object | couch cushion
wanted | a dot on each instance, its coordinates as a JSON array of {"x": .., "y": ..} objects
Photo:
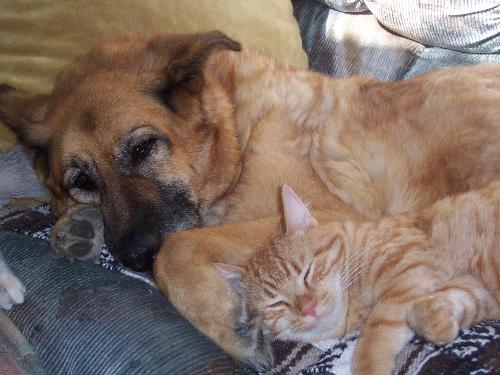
[
  {"x": 83, "y": 319},
  {"x": 37, "y": 38}
]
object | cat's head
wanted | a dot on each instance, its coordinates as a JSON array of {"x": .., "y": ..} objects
[{"x": 294, "y": 285}]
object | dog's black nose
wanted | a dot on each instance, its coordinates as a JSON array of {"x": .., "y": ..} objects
[
  {"x": 138, "y": 261},
  {"x": 136, "y": 251}
]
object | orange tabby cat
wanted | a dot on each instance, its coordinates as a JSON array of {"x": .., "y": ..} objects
[{"x": 432, "y": 272}]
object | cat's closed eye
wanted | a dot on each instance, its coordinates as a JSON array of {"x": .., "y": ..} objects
[
  {"x": 306, "y": 276},
  {"x": 278, "y": 304}
]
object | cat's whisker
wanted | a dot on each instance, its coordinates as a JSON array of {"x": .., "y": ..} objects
[
  {"x": 355, "y": 258},
  {"x": 353, "y": 279},
  {"x": 352, "y": 275},
  {"x": 355, "y": 275},
  {"x": 349, "y": 268},
  {"x": 346, "y": 274},
  {"x": 353, "y": 265},
  {"x": 347, "y": 271}
]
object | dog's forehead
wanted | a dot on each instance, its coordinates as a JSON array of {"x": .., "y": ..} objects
[{"x": 98, "y": 113}]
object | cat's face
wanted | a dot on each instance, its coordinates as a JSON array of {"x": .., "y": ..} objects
[
  {"x": 294, "y": 287},
  {"x": 298, "y": 292}
]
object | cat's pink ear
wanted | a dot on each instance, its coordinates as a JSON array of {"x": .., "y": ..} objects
[
  {"x": 233, "y": 276},
  {"x": 297, "y": 216}
]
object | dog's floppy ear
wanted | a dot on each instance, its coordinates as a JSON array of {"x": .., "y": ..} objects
[
  {"x": 25, "y": 114},
  {"x": 179, "y": 59}
]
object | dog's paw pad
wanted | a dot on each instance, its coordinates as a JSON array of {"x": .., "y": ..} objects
[
  {"x": 12, "y": 290},
  {"x": 80, "y": 249},
  {"x": 79, "y": 234},
  {"x": 82, "y": 229}
]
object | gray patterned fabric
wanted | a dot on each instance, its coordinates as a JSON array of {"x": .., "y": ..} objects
[
  {"x": 354, "y": 6},
  {"x": 471, "y": 26},
  {"x": 345, "y": 44}
]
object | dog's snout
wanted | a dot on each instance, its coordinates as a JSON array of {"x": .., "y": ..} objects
[
  {"x": 139, "y": 261},
  {"x": 137, "y": 251}
]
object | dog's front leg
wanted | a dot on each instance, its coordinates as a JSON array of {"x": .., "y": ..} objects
[{"x": 184, "y": 270}]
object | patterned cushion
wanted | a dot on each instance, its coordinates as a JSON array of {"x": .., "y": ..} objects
[{"x": 83, "y": 319}]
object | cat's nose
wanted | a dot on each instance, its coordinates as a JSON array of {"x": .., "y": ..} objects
[{"x": 310, "y": 310}]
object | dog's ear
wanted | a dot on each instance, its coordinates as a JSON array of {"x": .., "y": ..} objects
[
  {"x": 179, "y": 59},
  {"x": 25, "y": 114}
]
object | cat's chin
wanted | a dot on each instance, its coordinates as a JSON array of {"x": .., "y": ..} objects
[{"x": 326, "y": 326}]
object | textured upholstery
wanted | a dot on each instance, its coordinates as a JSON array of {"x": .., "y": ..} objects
[{"x": 83, "y": 319}]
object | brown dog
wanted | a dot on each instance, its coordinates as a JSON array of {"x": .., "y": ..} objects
[{"x": 179, "y": 131}]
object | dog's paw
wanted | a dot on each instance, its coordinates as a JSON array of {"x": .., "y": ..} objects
[
  {"x": 12, "y": 290},
  {"x": 432, "y": 318},
  {"x": 79, "y": 234}
]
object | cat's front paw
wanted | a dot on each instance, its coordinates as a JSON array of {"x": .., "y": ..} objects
[
  {"x": 432, "y": 318},
  {"x": 12, "y": 290}
]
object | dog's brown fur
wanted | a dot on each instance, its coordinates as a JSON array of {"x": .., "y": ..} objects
[{"x": 233, "y": 128}]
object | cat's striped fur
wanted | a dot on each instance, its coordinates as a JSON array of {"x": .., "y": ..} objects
[{"x": 432, "y": 272}]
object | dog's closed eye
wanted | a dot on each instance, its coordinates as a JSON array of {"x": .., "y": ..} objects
[
  {"x": 83, "y": 182},
  {"x": 139, "y": 146}
]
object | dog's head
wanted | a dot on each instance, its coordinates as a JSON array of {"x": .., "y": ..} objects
[{"x": 139, "y": 128}]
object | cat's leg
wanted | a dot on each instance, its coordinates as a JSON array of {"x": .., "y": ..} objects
[
  {"x": 185, "y": 271},
  {"x": 383, "y": 336},
  {"x": 457, "y": 304}
]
